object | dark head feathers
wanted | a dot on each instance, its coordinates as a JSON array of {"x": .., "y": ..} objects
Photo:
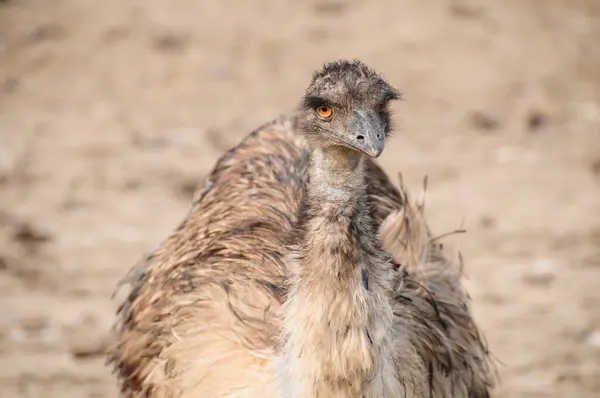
[
  {"x": 351, "y": 85},
  {"x": 353, "y": 74}
]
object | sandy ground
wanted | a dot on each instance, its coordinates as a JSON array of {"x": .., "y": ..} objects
[{"x": 112, "y": 111}]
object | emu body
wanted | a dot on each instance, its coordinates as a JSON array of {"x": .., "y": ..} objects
[{"x": 227, "y": 305}]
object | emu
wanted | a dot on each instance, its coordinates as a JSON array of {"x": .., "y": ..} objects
[{"x": 301, "y": 271}]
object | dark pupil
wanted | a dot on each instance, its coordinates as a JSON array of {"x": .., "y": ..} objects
[{"x": 324, "y": 109}]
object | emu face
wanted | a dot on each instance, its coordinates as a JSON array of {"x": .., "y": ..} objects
[{"x": 346, "y": 105}]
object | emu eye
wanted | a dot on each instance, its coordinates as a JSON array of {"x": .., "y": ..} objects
[{"x": 324, "y": 111}]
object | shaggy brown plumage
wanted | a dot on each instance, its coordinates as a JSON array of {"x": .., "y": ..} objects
[{"x": 204, "y": 315}]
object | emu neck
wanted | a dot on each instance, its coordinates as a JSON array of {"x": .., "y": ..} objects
[
  {"x": 334, "y": 212},
  {"x": 336, "y": 176},
  {"x": 332, "y": 324}
]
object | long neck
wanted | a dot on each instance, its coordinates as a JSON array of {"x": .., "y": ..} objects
[
  {"x": 331, "y": 316},
  {"x": 336, "y": 176},
  {"x": 332, "y": 215}
]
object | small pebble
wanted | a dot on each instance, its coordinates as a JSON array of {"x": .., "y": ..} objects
[
  {"x": 536, "y": 120},
  {"x": 484, "y": 121},
  {"x": 593, "y": 338}
]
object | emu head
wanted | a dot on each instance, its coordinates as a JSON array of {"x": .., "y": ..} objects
[{"x": 347, "y": 104}]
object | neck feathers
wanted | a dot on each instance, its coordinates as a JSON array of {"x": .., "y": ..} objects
[
  {"x": 336, "y": 175},
  {"x": 333, "y": 326},
  {"x": 334, "y": 217}
]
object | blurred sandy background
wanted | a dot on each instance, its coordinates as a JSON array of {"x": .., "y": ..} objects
[{"x": 112, "y": 111}]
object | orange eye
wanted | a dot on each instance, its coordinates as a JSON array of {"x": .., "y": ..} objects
[{"x": 324, "y": 111}]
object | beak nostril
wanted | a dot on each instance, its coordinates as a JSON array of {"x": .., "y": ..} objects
[{"x": 360, "y": 137}]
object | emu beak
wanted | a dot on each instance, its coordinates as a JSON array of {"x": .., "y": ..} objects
[{"x": 366, "y": 133}]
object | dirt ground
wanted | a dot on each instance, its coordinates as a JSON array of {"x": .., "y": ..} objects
[{"x": 112, "y": 111}]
